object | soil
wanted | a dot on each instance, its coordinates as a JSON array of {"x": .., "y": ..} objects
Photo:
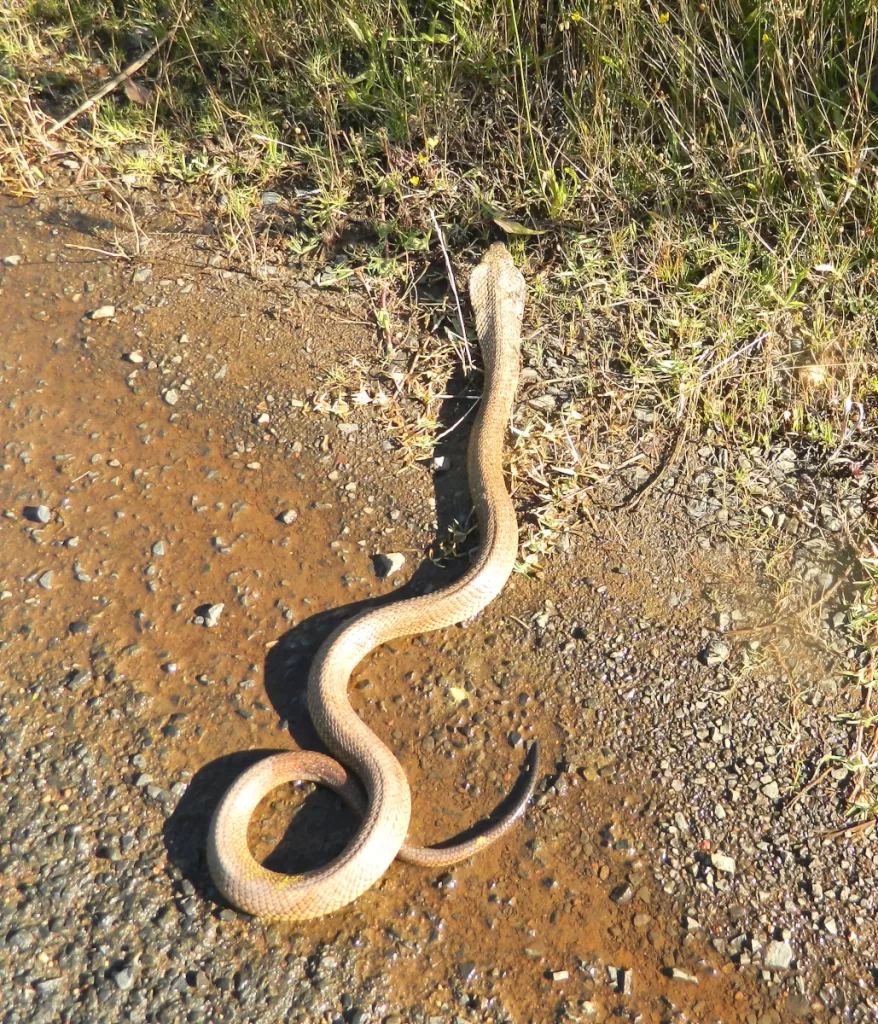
[{"x": 659, "y": 875}]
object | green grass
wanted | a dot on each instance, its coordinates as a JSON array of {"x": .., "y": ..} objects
[{"x": 702, "y": 175}]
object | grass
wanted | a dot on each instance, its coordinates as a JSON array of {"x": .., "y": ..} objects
[{"x": 691, "y": 189}]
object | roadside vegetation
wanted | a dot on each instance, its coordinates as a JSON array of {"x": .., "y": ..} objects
[{"x": 692, "y": 189}]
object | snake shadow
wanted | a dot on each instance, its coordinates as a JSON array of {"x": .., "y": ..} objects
[{"x": 323, "y": 825}]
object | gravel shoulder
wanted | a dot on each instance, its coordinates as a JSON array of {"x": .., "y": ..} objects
[{"x": 184, "y": 519}]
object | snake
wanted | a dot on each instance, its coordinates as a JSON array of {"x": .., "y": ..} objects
[{"x": 363, "y": 770}]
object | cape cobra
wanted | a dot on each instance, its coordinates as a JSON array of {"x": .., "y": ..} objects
[{"x": 497, "y": 292}]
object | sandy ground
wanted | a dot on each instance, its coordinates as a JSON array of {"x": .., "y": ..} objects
[{"x": 158, "y": 423}]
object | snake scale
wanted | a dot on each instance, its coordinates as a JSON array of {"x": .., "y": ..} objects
[{"x": 497, "y": 293}]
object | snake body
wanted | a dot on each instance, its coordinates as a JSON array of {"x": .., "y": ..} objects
[{"x": 497, "y": 292}]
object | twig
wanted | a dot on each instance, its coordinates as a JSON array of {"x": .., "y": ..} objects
[
  {"x": 103, "y": 252},
  {"x": 454, "y": 426},
  {"x": 849, "y": 830},
  {"x": 831, "y": 589},
  {"x": 521, "y": 622},
  {"x": 466, "y": 358},
  {"x": 806, "y": 789},
  {"x": 740, "y": 634},
  {"x": 638, "y": 496},
  {"x": 735, "y": 355},
  {"x": 113, "y": 83}
]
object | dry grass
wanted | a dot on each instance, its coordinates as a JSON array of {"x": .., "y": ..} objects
[{"x": 702, "y": 181}]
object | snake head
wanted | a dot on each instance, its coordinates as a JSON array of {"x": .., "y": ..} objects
[{"x": 497, "y": 292}]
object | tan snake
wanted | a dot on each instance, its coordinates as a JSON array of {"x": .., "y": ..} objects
[{"x": 497, "y": 292}]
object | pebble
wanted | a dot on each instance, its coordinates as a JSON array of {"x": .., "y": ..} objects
[
  {"x": 45, "y": 580},
  {"x": 11, "y": 261},
  {"x": 48, "y": 986},
  {"x": 466, "y": 971},
  {"x": 135, "y": 357},
  {"x": 560, "y": 975},
  {"x": 38, "y": 514},
  {"x": 778, "y": 955},
  {"x": 171, "y": 396},
  {"x": 680, "y": 975},
  {"x": 78, "y": 679},
  {"x": 722, "y": 862},
  {"x": 141, "y": 275},
  {"x": 158, "y": 549},
  {"x": 715, "y": 653},
  {"x": 102, "y": 313},
  {"x": 124, "y": 978},
  {"x": 388, "y": 564},
  {"x": 288, "y": 516},
  {"x": 212, "y": 615}
]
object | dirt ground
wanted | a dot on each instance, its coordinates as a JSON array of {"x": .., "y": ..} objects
[{"x": 159, "y": 416}]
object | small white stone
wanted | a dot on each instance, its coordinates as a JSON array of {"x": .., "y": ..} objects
[
  {"x": 11, "y": 261},
  {"x": 211, "y": 619},
  {"x": 679, "y": 975},
  {"x": 102, "y": 313},
  {"x": 135, "y": 357},
  {"x": 778, "y": 956},
  {"x": 723, "y": 862},
  {"x": 171, "y": 396},
  {"x": 387, "y": 565}
]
